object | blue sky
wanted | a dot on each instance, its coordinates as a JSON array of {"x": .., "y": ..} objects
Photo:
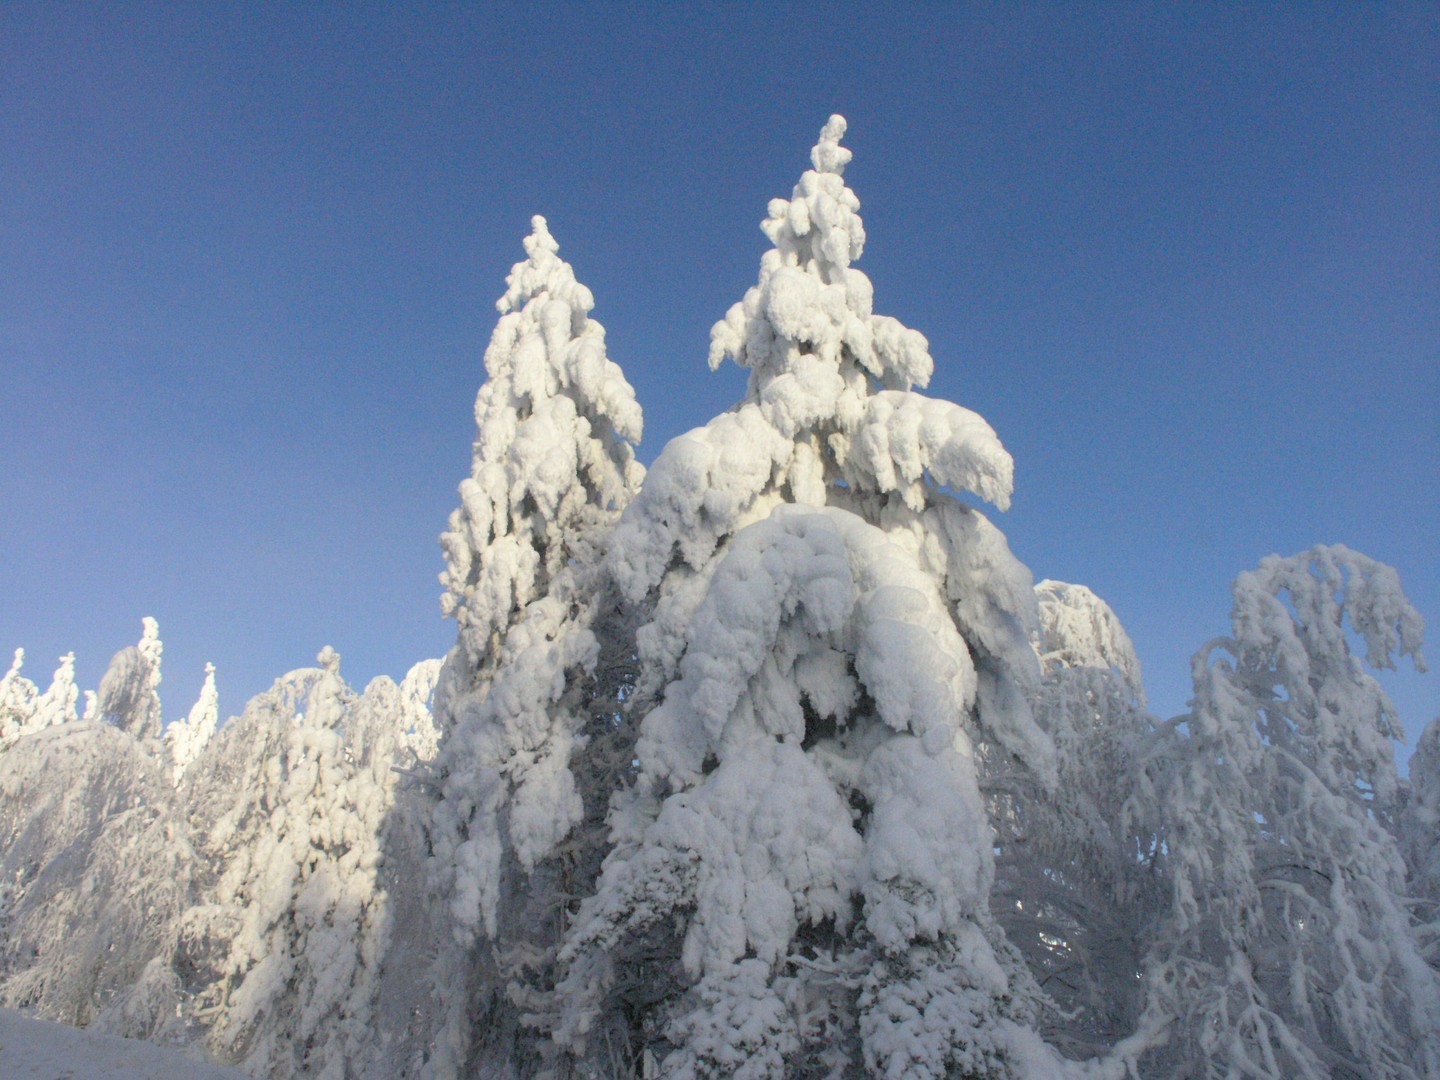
[{"x": 1184, "y": 258}]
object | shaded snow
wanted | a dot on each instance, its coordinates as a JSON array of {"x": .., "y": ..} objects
[{"x": 41, "y": 1050}]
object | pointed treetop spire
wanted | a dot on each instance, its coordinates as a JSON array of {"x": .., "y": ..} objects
[
  {"x": 57, "y": 704},
  {"x": 543, "y": 271},
  {"x": 820, "y": 223},
  {"x": 540, "y": 242},
  {"x": 828, "y": 155}
]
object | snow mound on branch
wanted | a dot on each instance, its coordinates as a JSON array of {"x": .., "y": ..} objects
[{"x": 903, "y": 436}]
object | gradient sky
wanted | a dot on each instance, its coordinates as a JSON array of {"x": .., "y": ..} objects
[{"x": 1185, "y": 260}]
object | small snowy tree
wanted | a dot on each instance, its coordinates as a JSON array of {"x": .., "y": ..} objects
[
  {"x": 801, "y": 873},
  {"x": 17, "y": 702},
  {"x": 57, "y": 704},
  {"x": 129, "y": 693},
  {"x": 1288, "y": 951},
  {"x": 187, "y": 739}
]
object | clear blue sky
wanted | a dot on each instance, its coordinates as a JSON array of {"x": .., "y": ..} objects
[{"x": 1184, "y": 258}]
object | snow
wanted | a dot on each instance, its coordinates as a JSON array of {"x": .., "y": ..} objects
[{"x": 33, "y": 1049}]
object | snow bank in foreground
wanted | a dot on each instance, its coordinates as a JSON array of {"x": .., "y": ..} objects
[{"x": 40, "y": 1050}]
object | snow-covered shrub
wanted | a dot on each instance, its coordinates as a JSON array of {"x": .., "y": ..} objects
[{"x": 17, "y": 701}]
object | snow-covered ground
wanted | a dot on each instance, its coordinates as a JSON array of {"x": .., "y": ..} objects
[{"x": 39, "y": 1050}]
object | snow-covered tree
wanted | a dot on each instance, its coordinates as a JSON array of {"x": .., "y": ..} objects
[
  {"x": 801, "y": 872},
  {"x": 188, "y": 738},
  {"x": 553, "y": 466},
  {"x": 57, "y": 704},
  {"x": 293, "y": 927},
  {"x": 96, "y": 870},
  {"x": 1289, "y": 951},
  {"x": 391, "y": 736},
  {"x": 129, "y": 693},
  {"x": 17, "y": 701},
  {"x": 553, "y": 461}
]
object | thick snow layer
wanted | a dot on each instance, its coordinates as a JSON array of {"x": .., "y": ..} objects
[{"x": 41, "y": 1050}]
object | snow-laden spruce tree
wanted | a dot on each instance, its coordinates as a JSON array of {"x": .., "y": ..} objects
[
  {"x": 1079, "y": 873},
  {"x": 1289, "y": 951},
  {"x": 553, "y": 461},
  {"x": 542, "y": 650},
  {"x": 130, "y": 690},
  {"x": 801, "y": 872}
]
